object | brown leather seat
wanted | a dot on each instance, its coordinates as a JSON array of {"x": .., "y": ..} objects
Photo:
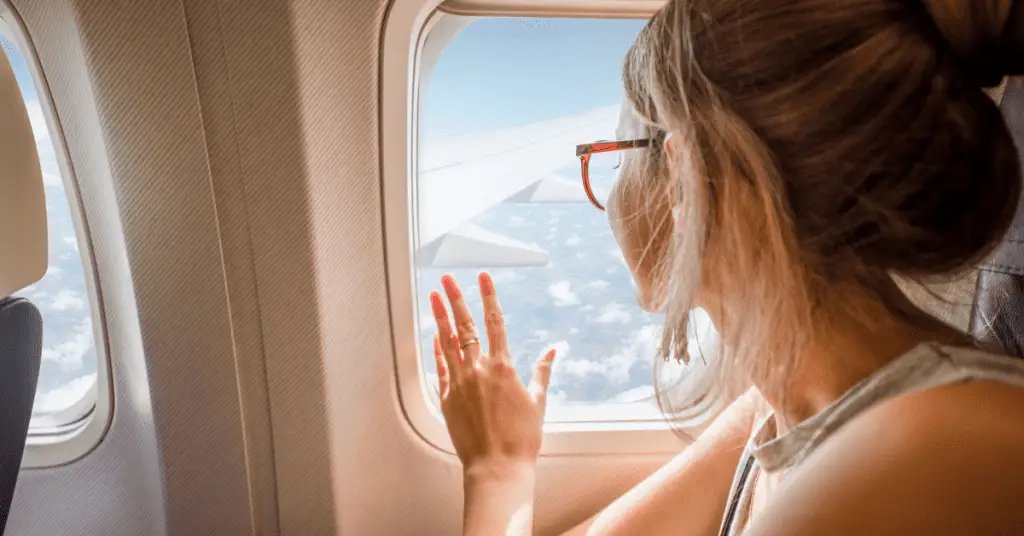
[{"x": 997, "y": 316}]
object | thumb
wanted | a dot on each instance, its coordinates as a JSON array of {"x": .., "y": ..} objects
[{"x": 542, "y": 378}]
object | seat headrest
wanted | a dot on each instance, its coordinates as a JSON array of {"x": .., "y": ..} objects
[{"x": 23, "y": 240}]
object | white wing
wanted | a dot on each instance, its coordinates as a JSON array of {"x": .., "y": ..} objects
[{"x": 461, "y": 178}]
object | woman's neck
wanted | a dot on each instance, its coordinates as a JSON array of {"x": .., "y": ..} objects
[{"x": 850, "y": 341}]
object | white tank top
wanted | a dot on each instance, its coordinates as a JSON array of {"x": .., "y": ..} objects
[{"x": 926, "y": 366}]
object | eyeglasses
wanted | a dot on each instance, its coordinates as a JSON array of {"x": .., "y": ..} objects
[{"x": 588, "y": 150}]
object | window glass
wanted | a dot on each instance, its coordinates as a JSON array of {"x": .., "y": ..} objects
[
  {"x": 67, "y": 378},
  {"x": 499, "y": 188}
]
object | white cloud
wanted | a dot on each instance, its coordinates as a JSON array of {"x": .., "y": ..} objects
[
  {"x": 563, "y": 294},
  {"x": 67, "y": 300},
  {"x": 542, "y": 334},
  {"x": 554, "y": 221},
  {"x": 64, "y": 396},
  {"x": 573, "y": 240},
  {"x": 38, "y": 120},
  {"x": 599, "y": 284},
  {"x": 635, "y": 394},
  {"x": 581, "y": 367},
  {"x": 613, "y": 313},
  {"x": 639, "y": 347},
  {"x": 69, "y": 354},
  {"x": 505, "y": 276},
  {"x": 561, "y": 349},
  {"x": 71, "y": 241},
  {"x": 516, "y": 221},
  {"x": 53, "y": 271},
  {"x": 52, "y": 179}
]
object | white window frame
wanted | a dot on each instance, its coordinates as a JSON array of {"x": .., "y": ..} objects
[
  {"x": 406, "y": 25},
  {"x": 86, "y": 421}
]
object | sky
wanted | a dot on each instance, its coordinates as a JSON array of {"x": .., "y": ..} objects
[
  {"x": 503, "y": 72},
  {"x": 69, "y": 351},
  {"x": 499, "y": 73}
]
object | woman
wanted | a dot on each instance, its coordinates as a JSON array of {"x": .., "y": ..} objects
[{"x": 815, "y": 150}]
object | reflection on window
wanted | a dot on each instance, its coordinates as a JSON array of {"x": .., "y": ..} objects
[
  {"x": 498, "y": 188},
  {"x": 67, "y": 378}
]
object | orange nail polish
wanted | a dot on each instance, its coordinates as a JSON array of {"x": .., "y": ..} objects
[
  {"x": 486, "y": 284},
  {"x": 449, "y": 286}
]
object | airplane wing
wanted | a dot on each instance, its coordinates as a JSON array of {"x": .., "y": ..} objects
[{"x": 463, "y": 177}]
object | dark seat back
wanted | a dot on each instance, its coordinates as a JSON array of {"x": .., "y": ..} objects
[
  {"x": 21, "y": 347},
  {"x": 997, "y": 317}
]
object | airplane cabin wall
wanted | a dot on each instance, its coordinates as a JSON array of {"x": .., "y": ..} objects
[{"x": 228, "y": 158}]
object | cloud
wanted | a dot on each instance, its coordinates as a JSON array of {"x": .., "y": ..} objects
[
  {"x": 69, "y": 354},
  {"x": 636, "y": 394},
  {"x": 598, "y": 284},
  {"x": 613, "y": 313},
  {"x": 71, "y": 241},
  {"x": 68, "y": 300},
  {"x": 561, "y": 348},
  {"x": 617, "y": 253},
  {"x": 505, "y": 276},
  {"x": 639, "y": 348},
  {"x": 53, "y": 180},
  {"x": 516, "y": 221},
  {"x": 563, "y": 294},
  {"x": 556, "y": 396},
  {"x": 65, "y": 396},
  {"x": 573, "y": 240},
  {"x": 38, "y": 120}
]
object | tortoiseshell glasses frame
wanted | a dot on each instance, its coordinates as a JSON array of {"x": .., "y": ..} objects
[{"x": 586, "y": 150}]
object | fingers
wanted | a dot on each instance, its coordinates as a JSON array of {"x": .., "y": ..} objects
[
  {"x": 494, "y": 321},
  {"x": 465, "y": 329},
  {"x": 449, "y": 344},
  {"x": 442, "y": 369},
  {"x": 542, "y": 378}
]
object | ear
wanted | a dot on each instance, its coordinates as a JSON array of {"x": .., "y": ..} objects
[{"x": 669, "y": 149}]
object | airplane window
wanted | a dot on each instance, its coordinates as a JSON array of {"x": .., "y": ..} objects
[
  {"x": 67, "y": 378},
  {"x": 499, "y": 188}
]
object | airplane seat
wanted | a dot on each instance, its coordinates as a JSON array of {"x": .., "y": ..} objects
[
  {"x": 997, "y": 314},
  {"x": 23, "y": 261}
]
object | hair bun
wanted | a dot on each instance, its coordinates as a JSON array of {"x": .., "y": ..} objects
[{"x": 987, "y": 35}]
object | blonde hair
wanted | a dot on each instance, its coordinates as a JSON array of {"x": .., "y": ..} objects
[{"x": 823, "y": 145}]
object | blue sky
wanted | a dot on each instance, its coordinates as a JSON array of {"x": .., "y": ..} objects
[
  {"x": 21, "y": 72},
  {"x": 502, "y": 72}
]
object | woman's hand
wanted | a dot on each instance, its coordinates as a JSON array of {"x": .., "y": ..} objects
[{"x": 493, "y": 419}]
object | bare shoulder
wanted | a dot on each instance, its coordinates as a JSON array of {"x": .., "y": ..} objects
[{"x": 939, "y": 462}]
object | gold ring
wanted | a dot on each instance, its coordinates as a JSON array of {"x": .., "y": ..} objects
[{"x": 474, "y": 340}]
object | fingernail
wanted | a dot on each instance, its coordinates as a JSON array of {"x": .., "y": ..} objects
[
  {"x": 486, "y": 284},
  {"x": 436, "y": 302},
  {"x": 448, "y": 282}
]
